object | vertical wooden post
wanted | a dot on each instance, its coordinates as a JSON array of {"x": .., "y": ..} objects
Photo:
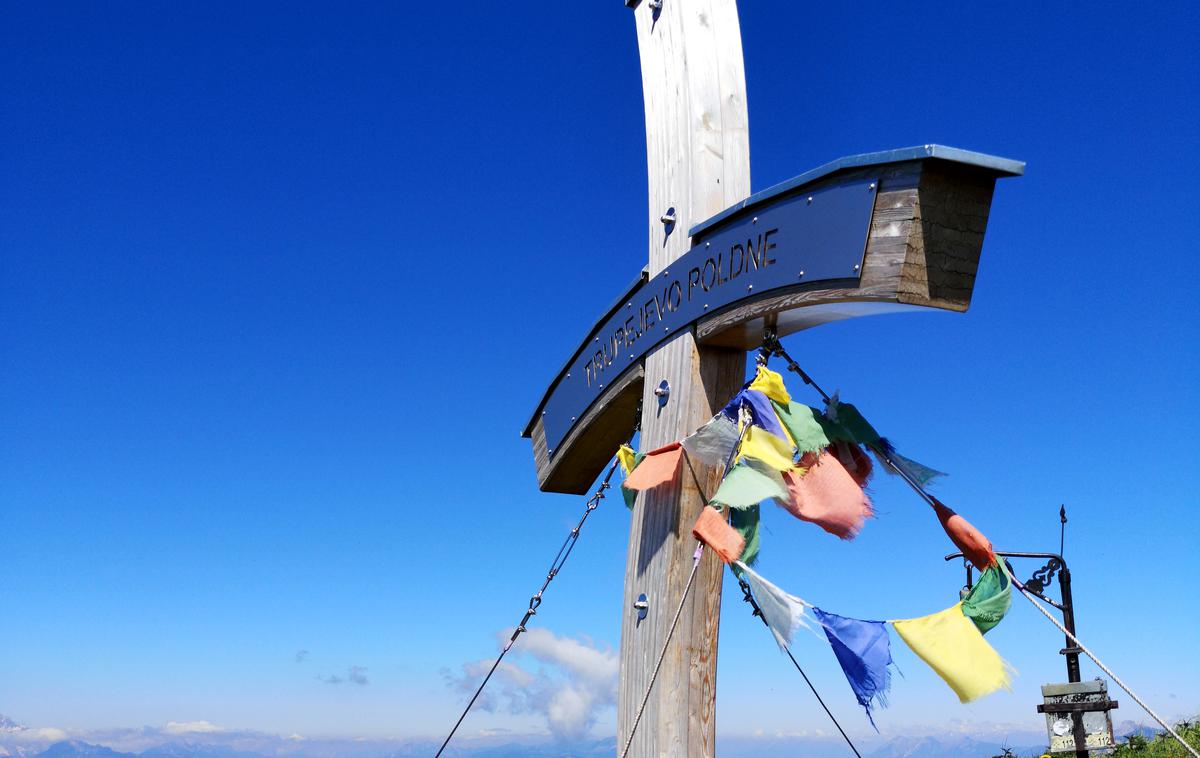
[{"x": 698, "y": 158}]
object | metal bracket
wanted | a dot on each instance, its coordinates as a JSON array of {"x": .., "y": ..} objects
[
  {"x": 641, "y": 606},
  {"x": 662, "y": 392}
]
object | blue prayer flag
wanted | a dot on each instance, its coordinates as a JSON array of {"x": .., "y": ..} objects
[{"x": 863, "y": 648}]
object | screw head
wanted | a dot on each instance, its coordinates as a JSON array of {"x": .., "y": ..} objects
[
  {"x": 856, "y": 267},
  {"x": 754, "y": 220},
  {"x": 871, "y": 186},
  {"x": 810, "y": 199},
  {"x": 749, "y": 286},
  {"x": 801, "y": 273}
]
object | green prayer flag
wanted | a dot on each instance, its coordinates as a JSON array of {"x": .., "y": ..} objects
[
  {"x": 746, "y": 485},
  {"x": 745, "y": 521},
  {"x": 807, "y": 427},
  {"x": 990, "y": 598},
  {"x": 854, "y": 427},
  {"x": 631, "y": 495}
]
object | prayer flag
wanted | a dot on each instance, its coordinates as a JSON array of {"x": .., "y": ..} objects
[
  {"x": 806, "y": 427},
  {"x": 954, "y": 648},
  {"x": 827, "y": 496},
  {"x": 765, "y": 447},
  {"x": 857, "y": 463},
  {"x": 990, "y": 598},
  {"x": 968, "y": 539},
  {"x": 783, "y": 613},
  {"x": 918, "y": 472},
  {"x": 762, "y": 413},
  {"x": 852, "y": 425},
  {"x": 770, "y": 384},
  {"x": 627, "y": 458},
  {"x": 659, "y": 466},
  {"x": 864, "y": 650},
  {"x": 746, "y": 522},
  {"x": 712, "y": 443},
  {"x": 712, "y": 530},
  {"x": 746, "y": 485}
]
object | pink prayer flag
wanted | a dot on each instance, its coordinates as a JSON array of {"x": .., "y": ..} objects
[
  {"x": 857, "y": 462},
  {"x": 724, "y": 540},
  {"x": 658, "y": 467},
  {"x": 828, "y": 496},
  {"x": 968, "y": 539}
]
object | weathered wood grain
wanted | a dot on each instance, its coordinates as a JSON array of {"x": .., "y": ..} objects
[{"x": 693, "y": 84}]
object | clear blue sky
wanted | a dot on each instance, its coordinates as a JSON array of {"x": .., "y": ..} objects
[{"x": 280, "y": 284}]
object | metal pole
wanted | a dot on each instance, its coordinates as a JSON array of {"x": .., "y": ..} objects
[{"x": 1071, "y": 651}]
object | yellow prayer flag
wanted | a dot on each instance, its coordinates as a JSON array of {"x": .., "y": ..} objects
[
  {"x": 626, "y": 456},
  {"x": 766, "y": 447},
  {"x": 953, "y": 647},
  {"x": 770, "y": 384}
]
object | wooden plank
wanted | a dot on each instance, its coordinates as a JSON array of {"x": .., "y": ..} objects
[
  {"x": 590, "y": 445},
  {"x": 697, "y": 147}
]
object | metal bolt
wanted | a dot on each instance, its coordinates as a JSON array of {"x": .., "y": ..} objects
[
  {"x": 754, "y": 220},
  {"x": 810, "y": 199},
  {"x": 666, "y": 272},
  {"x": 856, "y": 267},
  {"x": 801, "y": 273},
  {"x": 871, "y": 186},
  {"x": 749, "y": 286},
  {"x": 708, "y": 244},
  {"x": 668, "y": 218},
  {"x": 706, "y": 306},
  {"x": 572, "y": 418}
]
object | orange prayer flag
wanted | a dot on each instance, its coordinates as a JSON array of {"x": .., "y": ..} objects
[
  {"x": 828, "y": 496},
  {"x": 968, "y": 539},
  {"x": 658, "y": 467},
  {"x": 724, "y": 540}
]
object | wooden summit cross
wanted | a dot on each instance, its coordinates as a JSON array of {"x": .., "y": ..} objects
[{"x": 877, "y": 233}]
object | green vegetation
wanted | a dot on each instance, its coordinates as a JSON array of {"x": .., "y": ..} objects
[{"x": 1163, "y": 745}]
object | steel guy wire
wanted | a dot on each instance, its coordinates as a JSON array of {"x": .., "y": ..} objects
[{"x": 564, "y": 552}]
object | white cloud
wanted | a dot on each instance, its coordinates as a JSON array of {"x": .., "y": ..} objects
[{"x": 574, "y": 682}]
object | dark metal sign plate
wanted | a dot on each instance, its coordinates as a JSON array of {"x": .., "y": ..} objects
[{"x": 812, "y": 235}]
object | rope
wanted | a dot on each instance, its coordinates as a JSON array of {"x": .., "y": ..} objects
[
  {"x": 749, "y": 598},
  {"x": 666, "y": 643},
  {"x": 564, "y": 552},
  {"x": 771, "y": 346},
  {"x": 1104, "y": 668}
]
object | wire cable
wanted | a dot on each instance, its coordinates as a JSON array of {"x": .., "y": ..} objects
[
  {"x": 1104, "y": 668},
  {"x": 666, "y": 644},
  {"x": 771, "y": 344},
  {"x": 564, "y": 552},
  {"x": 749, "y": 598}
]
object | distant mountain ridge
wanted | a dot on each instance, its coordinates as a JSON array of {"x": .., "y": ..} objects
[{"x": 537, "y": 747}]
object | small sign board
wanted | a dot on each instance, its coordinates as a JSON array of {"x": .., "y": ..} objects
[{"x": 1078, "y": 716}]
